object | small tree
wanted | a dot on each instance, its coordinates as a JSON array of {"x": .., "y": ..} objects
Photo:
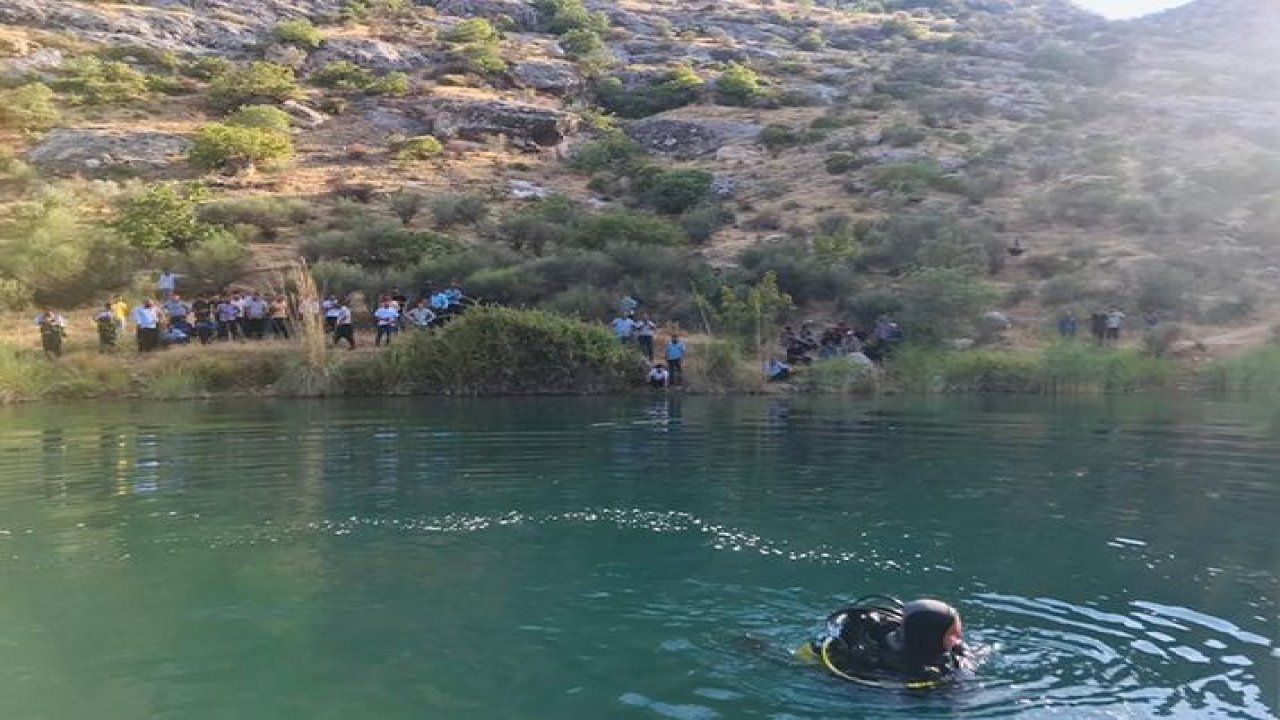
[
  {"x": 260, "y": 82},
  {"x": 748, "y": 315},
  {"x": 162, "y": 217},
  {"x": 236, "y": 148}
]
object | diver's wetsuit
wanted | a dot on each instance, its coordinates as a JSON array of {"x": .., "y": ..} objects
[{"x": 863, "y": 642}]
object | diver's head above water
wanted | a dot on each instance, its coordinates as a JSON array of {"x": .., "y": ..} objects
[{"x": 930, "y": 628}]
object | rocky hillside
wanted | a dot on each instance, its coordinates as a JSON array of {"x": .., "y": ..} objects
[{"x": 875, "y": 155}]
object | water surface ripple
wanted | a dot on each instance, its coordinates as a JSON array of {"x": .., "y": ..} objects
[{"x": 631, "y": 558}]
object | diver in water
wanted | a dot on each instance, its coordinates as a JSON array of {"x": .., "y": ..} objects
[{"x": 878, "y": 640}]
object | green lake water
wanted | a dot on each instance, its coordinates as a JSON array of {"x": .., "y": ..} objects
[{"x": 631, "y": 558}]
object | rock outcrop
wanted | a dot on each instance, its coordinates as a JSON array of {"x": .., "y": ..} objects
[
  {"x": 78, "y": 150},
  {"x": 528, "y": 126}
]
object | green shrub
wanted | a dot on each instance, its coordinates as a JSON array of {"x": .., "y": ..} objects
[
  {"x": 673, "y": 89},
  {"x": 343, "y": 75},
  {"x": 673, "y": 191},
  {"x": 738, "y": 85},
  {"x": 236, "y": 148},
  {"x": 475, "y": 30},
  {"x": 940, "y": 303},
  {"x": 701, "y": 222},
  {"x": 840, "y": 163},
  {"x": 262, "y": 117},
  {"x": 1160, "y": 286},
  {"x": 162, "y": 217},
  {"x": 395, "y": 84},
  {"x": 580, "y": 43},
  {"x": 451, "y": 210},
  {"x": 624, "y": 226},
  {"x": 208, "y": 67},
  {"x": 101, "y": 83},
  {"x": 373, "y": 241},
  {"x": 812, "y": 41},
  {"x": 483, "y": 58},
  {"x": 216, "y": 261},
  {"x": 1256, "y": 373},
  {"x": 612, "y": 150},
  {"x": 802, "y": 273},
  {"x": 839, "y": 376},
  {"x": 257, "y": 83},
  {"x": 776, "y": 137},
  {"x": 562, "y": 16},
  {"x": 299, "y": 32},
  {"x": 269, "y": 214},
  {"x": 28, "y": 107},
  {"x": 909, "y": 178},
  {"x": 419, "y": 148},
  {"x": 903, "y": 135},
  {"x": 494, "y": 350}
]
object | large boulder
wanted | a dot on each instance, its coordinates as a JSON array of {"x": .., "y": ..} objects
[
  {"x": 526, "y": 125},
  {"x": 550, "y": 76},
  {"x": 689, "y": 138},
  {"x": 76, "y": 150},
  {"x": 124, "y": 25},
  {"x": 522, "y": 14},
  {"x": 370, "y": 54}
]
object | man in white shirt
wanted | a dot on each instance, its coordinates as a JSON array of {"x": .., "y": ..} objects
[
  {"x": 343, "y": 328},
  {"x": 167, "y": 284},
  {"x": 146, "y": 318},
  {"x": 388, "y": 319}
]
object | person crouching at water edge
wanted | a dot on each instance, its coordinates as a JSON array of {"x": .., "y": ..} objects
[
  {"x": 658, "y": 376},
  {"x": 880, "y": 641}
]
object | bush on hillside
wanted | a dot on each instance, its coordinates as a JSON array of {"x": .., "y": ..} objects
[
  {"x": 100, "y": 83},
  {"x": 28, "y": 107},
  {"x": 233, "y": 148},
  {"x": 903, "y": 135},
  {"x": 562, "y": 16},
  {"x": 677, "y": 87},
  {"x": 374, "y": 241},
  {"x": 216, "y": 261},
  {"x": 343, "y": 75},
  {"x": 613, "y": 150},
  {"x": 253, "y": 84},
  {"x": 493, "y": 350},
  {"x": 269, "y": 214},
  {"x": 701, "y": 221},
  {"x": 811, "y": 41},
  {"x": 776, "y": 137},
  {"x": 941, "y": 303},
  {"x": 738, "y": 85},
  {"x": 672, "y": 191},
  {"x": 625, "y": 226},
  {"x": 581, "y": 43},
  {"x": 475, "y": 30},
  {"x": 162, "y": 217},
  {"x": 300, "y": 33},
  {"x": 450, "y": 210},
  {"x": 261, "y": 117},
  {"x": 418, "y": 149},
  {"x": 802, "y": 273}
]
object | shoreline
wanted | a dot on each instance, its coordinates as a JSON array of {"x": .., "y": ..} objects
[{"x": 281, "y": 369}]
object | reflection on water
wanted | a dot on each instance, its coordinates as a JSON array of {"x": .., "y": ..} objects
[{"x": 584, "y": 558}]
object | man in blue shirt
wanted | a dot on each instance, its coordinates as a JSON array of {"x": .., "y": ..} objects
[{"x": 675, "y": 359}]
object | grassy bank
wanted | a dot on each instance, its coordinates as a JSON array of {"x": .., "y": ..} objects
[
  {"x": 498, "y": 351},
  {"x": 490, "y": 351}
]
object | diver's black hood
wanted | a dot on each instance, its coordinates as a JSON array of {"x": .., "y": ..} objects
[{"x": 924, "y": 625}]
